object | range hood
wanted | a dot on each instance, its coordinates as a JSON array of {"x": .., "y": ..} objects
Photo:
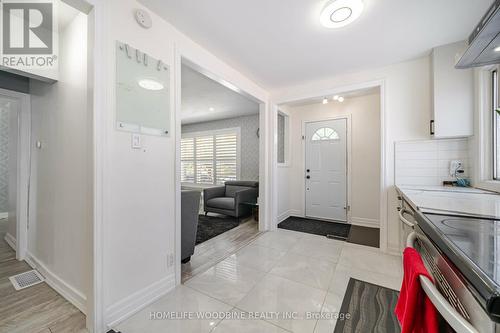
[{"x": 483, "y": 41}]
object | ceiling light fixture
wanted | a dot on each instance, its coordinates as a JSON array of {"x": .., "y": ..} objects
[
  {"x": 339, "y": 13},
  {"x": 211, "y": 109},
  {"x": 325, "y": 100},
  {"x": 341, "y": 99},
  {"x": 150, "y": 84},
  {"x": 336, "y": 97},
  {"x": 497, "y": 49}
]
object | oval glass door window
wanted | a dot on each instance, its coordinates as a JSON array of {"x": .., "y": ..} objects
[{"x": 325, "y": 133}]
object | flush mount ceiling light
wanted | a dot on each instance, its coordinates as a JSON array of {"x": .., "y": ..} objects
[
  {"x": 150, "y": 84},
  {"x": 325, "y": 100},
  {"x": 336, "y": 97},
  {"x": 339, "y": 13},
  {"x": 211, "y": 109},
  {"x": 340, "y": 99},
  {"x": 497, "y": 49}
]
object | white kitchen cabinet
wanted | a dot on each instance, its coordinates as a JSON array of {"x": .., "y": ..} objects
[{"x": 452, "y": 93}]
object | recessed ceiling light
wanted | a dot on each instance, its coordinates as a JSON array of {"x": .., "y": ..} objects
[
  {"x": 211, "y": 109},
  {"x": 150, "y": 84},
  {"x": 339, "y": 13},
  {"x": 497, "y": 49},
  {"x": 336, "y": 97},
  {"x": 325, "y": 100},
  {"x": 341, "y": 99}
]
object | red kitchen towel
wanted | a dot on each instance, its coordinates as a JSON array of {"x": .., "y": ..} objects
[{"x": 415, "y": 311}]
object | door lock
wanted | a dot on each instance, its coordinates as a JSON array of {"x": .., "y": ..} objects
[
  {"x": 308, "y": 177},
  {"x": 308, "y": 170}
]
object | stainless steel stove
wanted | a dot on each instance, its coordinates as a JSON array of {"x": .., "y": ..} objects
[{"x": 463, "y": 255}]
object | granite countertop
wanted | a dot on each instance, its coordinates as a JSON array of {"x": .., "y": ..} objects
[{"x": 452, "y": 199}]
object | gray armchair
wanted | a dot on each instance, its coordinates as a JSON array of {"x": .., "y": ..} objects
[
  {"x": 228, "y": 199},
  {"x": 190, "y": 207}
]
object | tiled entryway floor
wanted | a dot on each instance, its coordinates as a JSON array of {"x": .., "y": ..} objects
[{"x": 281, "y": 271}]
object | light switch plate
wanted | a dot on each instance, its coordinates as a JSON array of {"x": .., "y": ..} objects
[{"x": 136, "y": 141}]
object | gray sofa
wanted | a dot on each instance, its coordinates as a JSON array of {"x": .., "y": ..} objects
[
  {"x": 190, "y": 206},
  {"x": 228, "y": 199}
]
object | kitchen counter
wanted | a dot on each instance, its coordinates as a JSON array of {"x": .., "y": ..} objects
[{"x": 460, "y": 200}]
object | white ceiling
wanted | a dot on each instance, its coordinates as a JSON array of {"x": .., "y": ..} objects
[
  {"x": 199, "y": 94},
  {"x": 346, "y": 95},
  {"x": 279, "y": 43}
]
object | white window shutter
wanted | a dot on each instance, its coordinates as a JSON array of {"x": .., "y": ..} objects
[{"x": 210, "y": 158}]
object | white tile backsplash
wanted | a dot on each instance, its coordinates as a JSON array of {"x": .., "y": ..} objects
[{"x": 427, "y": 163}]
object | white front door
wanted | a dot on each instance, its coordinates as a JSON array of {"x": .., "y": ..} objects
[{"x": 326, "y": 169}]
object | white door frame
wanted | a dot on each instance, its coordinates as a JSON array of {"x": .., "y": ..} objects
[
  {"x": 348, "y": 118},
  {"x": 182, "y": 57},
  {"x": 383, "y": 151},
  {"x": 23, "y": 169}
]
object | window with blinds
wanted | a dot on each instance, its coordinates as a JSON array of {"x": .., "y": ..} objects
[{"x": 210, "y": 157}]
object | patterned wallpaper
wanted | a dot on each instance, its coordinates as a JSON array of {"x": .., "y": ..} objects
[
  {"x": 249, "y": 140},
  {"x": 4, "y": 159}
]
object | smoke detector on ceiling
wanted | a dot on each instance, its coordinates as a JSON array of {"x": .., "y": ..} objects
[{"x": 143, "y": 18}]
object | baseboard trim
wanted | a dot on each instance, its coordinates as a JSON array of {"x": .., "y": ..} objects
[
  {"x": 295, "y": 212},
  {"x": 127, "y": 307},
  {"x": 71, "y": 294},
  {"x": 364, "y": 222},
  {"x": 4, "y": 215},
  {"x": 10, "y": 240},
  {"x": 283, "y": 216}
]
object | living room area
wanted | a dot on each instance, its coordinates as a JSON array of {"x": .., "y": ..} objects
[{"x": 219, "y": 170}]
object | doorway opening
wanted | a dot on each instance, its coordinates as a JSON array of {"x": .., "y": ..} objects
[
  {"x": 51, "y": 175},
  {"x": 331, "y": 184},
  {"x": 220, "y": 167}
]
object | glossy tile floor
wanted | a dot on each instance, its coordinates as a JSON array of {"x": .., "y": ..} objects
[
  {"x": 282, "y": 271},
  {"x": 214, "y": 250}
]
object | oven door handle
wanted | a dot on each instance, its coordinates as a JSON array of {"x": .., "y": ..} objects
[
  {"x": 401, "y": 213},
  {"x": 447, "y": 311}
]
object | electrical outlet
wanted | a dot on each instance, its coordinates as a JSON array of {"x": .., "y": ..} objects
[{"x": 454, "y": 166}]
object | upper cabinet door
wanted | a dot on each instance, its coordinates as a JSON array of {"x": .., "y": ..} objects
[{"x": 453, "y": 93}]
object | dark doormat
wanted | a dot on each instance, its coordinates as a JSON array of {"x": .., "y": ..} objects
[
  {"x": 211, "y": 226},
  {"x": 316, "y": 227},
  {"x": 364, "y": 236},
  {"x": 368, "y": 308}
]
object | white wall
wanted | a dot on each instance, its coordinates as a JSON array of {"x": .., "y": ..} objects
[
  {"x": 364, "y": 134},
  {"x": 139, "y": 189},
  {"x": 407, "y": 101},
  {"x": 427, "y": 163},
  {"x": 60, "y": 203}
]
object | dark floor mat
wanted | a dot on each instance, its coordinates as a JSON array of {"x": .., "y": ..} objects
[
  {"x": 370, "y": 308},
  {"x": 211, "y": 226},
  {"x": 364, "y": 236},
  {"x": 316, "y": 227}
]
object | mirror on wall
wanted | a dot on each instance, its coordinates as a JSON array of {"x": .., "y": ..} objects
[{"x": 142, "y": 92}]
